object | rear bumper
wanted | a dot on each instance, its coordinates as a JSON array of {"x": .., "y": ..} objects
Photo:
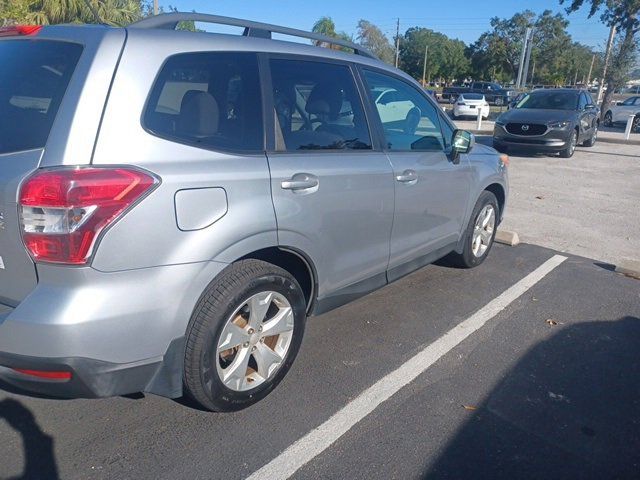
[
  {"x": 88, "y": 378},
  {"x": 115, "y": 333}
]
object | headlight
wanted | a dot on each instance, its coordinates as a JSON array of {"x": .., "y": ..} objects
[{"x": 559, "y": 125}]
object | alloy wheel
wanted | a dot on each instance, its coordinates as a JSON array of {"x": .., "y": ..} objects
[
  {"x": 483, "y": 231},
  {"x": 255, "y": 341}
]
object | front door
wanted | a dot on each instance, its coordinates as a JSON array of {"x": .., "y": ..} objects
[
  {"x": 431, "y": 192},
  {"x": 332, "y": 193}
]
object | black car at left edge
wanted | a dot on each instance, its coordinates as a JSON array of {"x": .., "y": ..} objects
[{"x": 553, "y": 120}]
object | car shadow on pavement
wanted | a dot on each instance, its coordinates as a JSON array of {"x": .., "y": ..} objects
[
  {"x": 39, "y": 458},
  {"x": 570, "y": 409}
]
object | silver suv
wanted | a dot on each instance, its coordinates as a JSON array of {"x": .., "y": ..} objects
[{"x": 174, "y": 205}]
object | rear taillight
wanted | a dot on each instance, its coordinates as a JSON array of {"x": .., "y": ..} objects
[
  {"x": 19, "y": 30},
  {"x": 63, "y": 211}
]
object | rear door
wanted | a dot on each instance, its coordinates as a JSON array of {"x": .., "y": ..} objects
[
  {"x": 332, "y": 191},
  {"x": 33, "y": 80}
]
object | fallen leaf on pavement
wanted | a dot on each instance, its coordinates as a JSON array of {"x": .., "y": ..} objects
[
  {"x": 540, "y": 197},
  {"x": 551, "y": 321},
  {"x": 469, "y": 407}
]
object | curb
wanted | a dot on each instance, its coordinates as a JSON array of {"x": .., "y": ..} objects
[
  {"x": 622, "y": 141},
  {"x": 509, "y": 238},
  {"x": 630, "y": 268}
]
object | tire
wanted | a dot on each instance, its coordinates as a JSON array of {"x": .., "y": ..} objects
[
  {"x": 226, "y": 308},
  {"x": 499, "y": 101},
  {"x": 568, "y": 152},
  {"x": 594, "y": 137},
  {"x": 608, "y": 119},
  {"x": 470, "y": 257},
  {"x": 635, "y": 126}
]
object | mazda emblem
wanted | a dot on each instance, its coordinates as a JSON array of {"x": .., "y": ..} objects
[{"x": 525, "y": 128}]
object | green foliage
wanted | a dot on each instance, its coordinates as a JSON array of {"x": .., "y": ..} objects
[
  {"x": 372, "y": 38},
  {"x": 45, "y": 12},
  {"x": 445, "y": 57},
  {"x": 625, "y": 16},
  {"x": 555, "y": 58}
]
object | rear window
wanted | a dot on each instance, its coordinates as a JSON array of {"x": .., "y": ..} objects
[
  {"x": 33, "y": 79},
  {"x": 473, "y": 96},
  {"x": 210, "y": 100}
]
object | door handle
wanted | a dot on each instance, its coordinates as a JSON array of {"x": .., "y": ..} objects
[
  {"x": 409, "y": 177},
  {"x": 301, "y": 181}
]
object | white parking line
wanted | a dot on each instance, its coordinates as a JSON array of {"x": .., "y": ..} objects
[{"x": 319, "y": 439}]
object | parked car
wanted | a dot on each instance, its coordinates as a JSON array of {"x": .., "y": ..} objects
[
  {"x": 493, "y": 92},
  {"x": 549, "y": 120},
  {"x": 620, "y": 112},
  {"x": 174, "y": 205},
  {"x": 468, "y": 104}
]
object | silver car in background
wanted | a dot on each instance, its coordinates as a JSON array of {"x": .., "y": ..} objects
[{"x": 174, "y": 205}]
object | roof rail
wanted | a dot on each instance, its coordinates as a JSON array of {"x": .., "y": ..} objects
[{"x": 251, "y": 29}]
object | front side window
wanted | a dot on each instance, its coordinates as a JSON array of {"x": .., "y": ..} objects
[
  {"x": 318, "y": 107},
  {"x": 210, "y": 100},
  {"x": 629, "y": 102},
  {"x": 582, "y": 103},
  {"x": 410, "y": 122}
]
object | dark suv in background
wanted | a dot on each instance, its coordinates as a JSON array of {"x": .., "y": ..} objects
[{"x": 549, "y": 120}]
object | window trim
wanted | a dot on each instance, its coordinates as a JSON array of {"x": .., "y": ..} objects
[
  {"x": 353, "y": 69},
  {"x": 380, "y": 129},
  {"x": 182, "y": 141}
]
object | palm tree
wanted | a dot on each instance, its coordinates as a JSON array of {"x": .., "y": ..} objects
[
  {"x": 325, "y": 26},
  {"x": 47, "y": 12}
]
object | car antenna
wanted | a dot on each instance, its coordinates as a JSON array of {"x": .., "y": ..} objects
[{"x": 94, "y": 12}]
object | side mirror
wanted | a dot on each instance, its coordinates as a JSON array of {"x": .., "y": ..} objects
[
  {"x": 461, "y": 142},
  {"x": 590, "y": 106}
]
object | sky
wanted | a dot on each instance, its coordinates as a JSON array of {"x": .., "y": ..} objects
[{"x": 462, "y": 19}]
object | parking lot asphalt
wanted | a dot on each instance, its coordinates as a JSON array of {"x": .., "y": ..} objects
[
  {"x": 586, "y": 205},
  {"x": 548, "y": 387}
]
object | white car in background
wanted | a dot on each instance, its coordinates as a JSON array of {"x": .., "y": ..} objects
[
  {"x": 391, "y": 106},
  {"x": 468, "y": 104},
  {"x": 620, "y": 112}
]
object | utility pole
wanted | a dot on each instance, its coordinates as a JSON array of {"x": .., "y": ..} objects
[
  {"x": 424, "y": 65},
  {"x": 397, "y": 41},
  {"x": 612, "y": 36},
  {"x": 525, "y": 72},
  {"x": 155, "y": 7},
  {"x": 522, "y": 55},
  {"x": 593, "y": 59}
]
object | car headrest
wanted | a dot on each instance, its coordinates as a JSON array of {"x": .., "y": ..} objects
[
  {"x": 199, "y": 114},
  {"x": 325, "y": 99}
]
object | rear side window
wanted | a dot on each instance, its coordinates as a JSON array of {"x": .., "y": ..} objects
[
  {"x": 318, "y": 106},
  {"x": 34, "y": 76},
  {"x": 210, "y": 100}
]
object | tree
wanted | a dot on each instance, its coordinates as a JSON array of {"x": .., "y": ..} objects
[
  {"x": 625, "y": 16},
  {"x": 555, "y": 58},
  {"x": 45, "y": 12},
  {"x": 446, "y": 57},
  {"x": 372, "y": 38},
  {"x": 325, "y": 26}
]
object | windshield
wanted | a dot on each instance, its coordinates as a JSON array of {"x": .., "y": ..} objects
[
  {"x": 33, "y": 80},
  {"x": 549, "y": 101}
]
